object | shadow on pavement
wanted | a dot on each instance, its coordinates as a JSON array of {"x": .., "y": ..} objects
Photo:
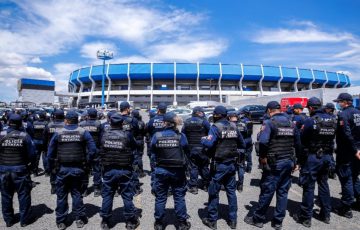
[{"x": 39, "y": 211}]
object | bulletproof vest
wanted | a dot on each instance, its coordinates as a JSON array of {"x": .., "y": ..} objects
[
  {"x": 93, "y": 126},
  {"x": 282, "y": 139},
  {"x": 245, "y": 128},
  {"x": 140, "y": 134},
  {"x": 323, "y": 134},
  {"x": 169, "y": 152},
  {"x": 53, "y": 128},
  {"x": 39, "y": 127},
  {"x": 194, "y": 130},
  {"x": 71, "y": 146},
  {"x": 226, "y": 148},
  {"x": 127, "y": 124},
  {"x": 12, "y": 148},
  {"x": 115, "y": 149},
  {"x": 157, "y": 124},
  {"x": 355, "y": 126}
]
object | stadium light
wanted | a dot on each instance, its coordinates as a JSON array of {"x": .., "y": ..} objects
[{"x": 103, "y": 55}]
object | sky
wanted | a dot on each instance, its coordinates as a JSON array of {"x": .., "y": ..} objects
[{"x": 48, "y": 39}]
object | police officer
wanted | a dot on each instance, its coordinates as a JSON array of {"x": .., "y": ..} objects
[
  {"x": 223, "y": 141},
  {"x": 71, "y": 148},
  {"x": 298, "y": 117},
  {"x": 329, "y": 108},
  {"x": 116, "y": 157},
  {"x": 130, "y": 124},
  {"x": 317, "y": 137},
  {"x": 155, "y": 124},
  {"x": 277, "y": 141},
  {"x": 246, "y": 130},
  {"x": 139, "y": 136},
  {"x": 92, "y": 125},
  {"x": 27, "y": 125},
  {"x": 50, "y": 129},
  {"x": 17, "y": 157},
  {"x": 194, "y": 129},
  {"x": 106, "y": 125},
  {"x": 39, "y": 126},
  {"x": 348, "y": 154},
  {"x": 168, "y": 149}
]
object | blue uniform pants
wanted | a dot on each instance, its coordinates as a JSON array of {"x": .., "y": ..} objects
[
  {"x": 113, "y": 180},
  {"x": 350, "y": 183},
  {"x": 140, "y": 151},
  {"x": 20, "y": 183},
  {"x": 199, "y": 165},
  {"x": 223, "y": 174},
  {"x": 176, "y": 179},
  {"x": 248, "y": 157},
  {"x": 69, "y": 180},
  {"x": 40, "y": 152},
  {"x": 241, "y": 167},
  {"x": 96, "y": 173},
  {"x": 315, "y": 170},
  {"x": 278, "y": 180}
]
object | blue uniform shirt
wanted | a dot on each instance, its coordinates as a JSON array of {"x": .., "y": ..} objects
[
  {"x": 155, "y": 124},
  {"x": 268, "y": 129},
  {"x": 30, "y": 152},
  {"x": 205, "y": 123},
  {"x": 90, "y": 144},
  {"x": 299, "y": 120},
  {"x": 211, "y": 140}
]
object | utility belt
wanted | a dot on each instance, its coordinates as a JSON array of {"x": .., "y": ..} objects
[
  {"x": 319, "y": 152},
  {"x": 117, "y": 167},
  {"x": 272, "y": 159},
  {"x": 84, "y": 166}
]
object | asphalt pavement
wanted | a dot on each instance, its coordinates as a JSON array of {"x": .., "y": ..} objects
[{"x": 43, "y": 206}]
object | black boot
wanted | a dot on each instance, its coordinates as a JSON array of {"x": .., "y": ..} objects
[
  {"x": 209, "y": 223},
  {"x": 132, "y": 223},
  {"x": 184, "y": 225},
  {"x": 158, "y": 225},
  {"x": 301, "y": 220}
]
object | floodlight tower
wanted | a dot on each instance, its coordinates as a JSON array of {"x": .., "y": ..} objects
[{"x": 103, "y": 55}]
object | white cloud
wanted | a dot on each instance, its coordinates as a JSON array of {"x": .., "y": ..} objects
[
  {"x": 89, "y": 50},
  {"x": 36, "y": 60}
]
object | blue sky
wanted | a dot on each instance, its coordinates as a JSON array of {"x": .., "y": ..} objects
[{"x": 48, "y": 39}]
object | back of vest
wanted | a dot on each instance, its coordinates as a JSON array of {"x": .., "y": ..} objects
[
  {"x": 282, "y": 139},
  {"x": 71, "y": 146},
  {"x": 53, "y": 128},
  {"x": 194, "y": 130},
  {"x": 355, "y": 126},
  {"x": 93, "y": 126},
  {"x": 169, "y": 152},
  {"x": 115, "y": 149},
  {"x": 12, "y": 148},
  {"x": 39, "y": 127},
  {"x": 127, "y": 124},
  {"x": 226, "y": 148},
  {"x": 323, "y": 134},
  {"x": 156, "y": 125}
]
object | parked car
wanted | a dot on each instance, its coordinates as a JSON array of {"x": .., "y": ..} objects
[
  {"x": 256, "y": 112},
  {"x": 183, "y": 113}
]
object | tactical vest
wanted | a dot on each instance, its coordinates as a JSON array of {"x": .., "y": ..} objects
[
  {"x": 226, "y": 148},
  {"x": 323, "y": 135},
  {"x": 169, "y": 152},
  {"x": 157, "y": 125},
  {"x": 53, "y": 128},
  {"x": 127, "y": 124},
  {"x": 245, "y": 128},
  {"x": 93, "y": 127},
  {"x": 194, "y": 130},
  {"x": 71, "y": 146},
  {"x": 115, "y": 149},
  {"x": 281, "y": 144},
  {"x": 39, "y": 127},
  {"x": 141, "y": 128},
  {"x": 355, "y": 126},
  {"x": 12, "y": 148}
]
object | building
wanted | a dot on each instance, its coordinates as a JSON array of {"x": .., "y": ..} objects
[
  {"x": 146, "y": 84},
  {"x": 36, "y": 91}
]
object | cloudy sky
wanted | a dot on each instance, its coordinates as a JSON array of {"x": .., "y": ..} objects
[{"x": 47, "y": 39}]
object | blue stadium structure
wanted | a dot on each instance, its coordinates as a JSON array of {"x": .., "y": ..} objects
[{"x": 178, "y": 83}]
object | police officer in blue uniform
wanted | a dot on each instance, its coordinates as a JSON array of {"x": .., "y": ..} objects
[
  {"x": 139, "y": 136},
  {"x": 17, "y": 157},
  {"x": 194, "y": 129},
  {"x": 279, "y": 139},
  {"x": 223, "y": 142},
  {"x": 116, "y": 157},
  {"x": 92, "y": 125},
  {"x": 55, "y": 125},
  {"x": 329, "y": 108},
  {"x": 71, "y": 148},
  {"x": 106, "y": 125},
  {"x": 298, "y": 117},
  {"x": 348, "y": 154},
  {"x": 168, "y": 149},
  {"x": 317, "y": 138},
  {"x": 130, "y": 124},
  {"x": 39, "y": 126},
  {"x": 155, "y": 124},
  {"x": 27, "y": 125}
]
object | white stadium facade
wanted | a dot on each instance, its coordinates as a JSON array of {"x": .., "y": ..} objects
[{"x": 146, "y": 84}]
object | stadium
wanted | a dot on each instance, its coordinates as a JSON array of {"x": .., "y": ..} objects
[{"x": 146, "y": 84}]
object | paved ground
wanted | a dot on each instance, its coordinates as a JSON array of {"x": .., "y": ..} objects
[{"x": 44, "y": 206}]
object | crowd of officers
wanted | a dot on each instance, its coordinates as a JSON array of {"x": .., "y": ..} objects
[{"x": 112, "y": 152}]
